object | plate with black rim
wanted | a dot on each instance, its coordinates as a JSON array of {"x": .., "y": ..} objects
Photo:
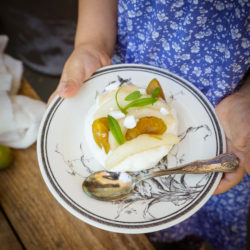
[{"x": 65, "y": 159}]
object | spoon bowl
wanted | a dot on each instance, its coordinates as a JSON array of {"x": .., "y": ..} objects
[
  {"x": 111, "y": 186},
  {"x": 108, "y": 186}
]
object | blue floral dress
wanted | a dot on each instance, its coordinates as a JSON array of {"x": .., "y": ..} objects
[{"x": 206, "y": 42}]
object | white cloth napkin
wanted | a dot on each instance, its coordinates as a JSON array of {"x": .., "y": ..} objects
[{"x": 20, "y": 116}]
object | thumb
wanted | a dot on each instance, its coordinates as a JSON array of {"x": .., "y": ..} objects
[
  {"x": 77, "y": 69},
  {"x": 73, "y": 76}
]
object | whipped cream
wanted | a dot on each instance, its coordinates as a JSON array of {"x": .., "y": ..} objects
[
  {"x": 164, "y": 111},
  {"x": 112, "y": 86},
  {"x": 136, "y": 160},
  {"x": 117, "y": 114},
  {"x": 143, "y": 160},
  {"x": 130, "y": 121}
]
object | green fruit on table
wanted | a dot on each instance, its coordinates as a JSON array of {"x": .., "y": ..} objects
[{"x": 6, "y": 156}]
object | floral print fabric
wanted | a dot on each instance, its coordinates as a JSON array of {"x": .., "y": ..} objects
[
  {"x": 207, "y": 42},
  {"x": 204, "y": 41}
]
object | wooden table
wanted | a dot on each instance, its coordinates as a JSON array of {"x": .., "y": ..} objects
[{"x": 30, "y": 217}]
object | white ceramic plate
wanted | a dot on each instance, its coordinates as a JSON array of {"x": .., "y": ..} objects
[{"x": 156, "y": 204}]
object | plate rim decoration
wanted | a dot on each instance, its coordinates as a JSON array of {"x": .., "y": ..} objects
[{"x": 113, "y": 225}]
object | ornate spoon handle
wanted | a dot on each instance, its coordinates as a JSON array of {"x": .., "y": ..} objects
[{"x": 222, "y": 163}]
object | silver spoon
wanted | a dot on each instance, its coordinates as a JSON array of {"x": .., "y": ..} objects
[{"x": 111, "y": 186}]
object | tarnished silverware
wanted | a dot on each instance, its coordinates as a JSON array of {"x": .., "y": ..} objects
[{"x": 110, "y": 186}]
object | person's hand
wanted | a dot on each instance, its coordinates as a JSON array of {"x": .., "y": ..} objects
[
  {"x": 82, "y": 63},
  {"x": 234, "y": 115}
]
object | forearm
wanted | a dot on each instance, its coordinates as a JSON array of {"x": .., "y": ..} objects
[{"x": 97, "y": 24}]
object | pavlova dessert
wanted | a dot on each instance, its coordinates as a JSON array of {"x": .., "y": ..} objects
[{"x": 130, "y": 128}]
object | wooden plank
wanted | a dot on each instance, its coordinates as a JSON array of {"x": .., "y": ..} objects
[
  {"x": 40, "y": 221},
  {"x": 27, "y": 90},
  {"x": 8, "y": 240}
]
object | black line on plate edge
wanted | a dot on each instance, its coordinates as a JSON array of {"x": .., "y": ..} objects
[
  {"x": 67, "y": 199},
  {"x": 83, "y": 208},
  {"x": 105, "y": 218}
]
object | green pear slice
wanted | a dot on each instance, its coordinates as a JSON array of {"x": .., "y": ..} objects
[
  {"x": 139, "y": 144},
  {"x": 140, "y": 112}
]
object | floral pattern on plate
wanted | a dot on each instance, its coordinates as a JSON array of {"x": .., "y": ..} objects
[{"x": 65, "y": 159}]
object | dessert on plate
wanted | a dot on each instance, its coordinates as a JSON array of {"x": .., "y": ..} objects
[{"x": 130, "y": 128}]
